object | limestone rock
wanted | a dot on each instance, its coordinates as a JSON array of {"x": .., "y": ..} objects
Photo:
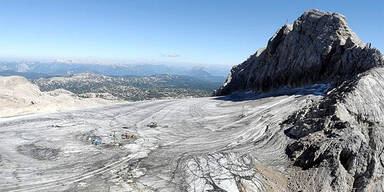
[
  {"x": 343, "y": 136},
  {"x": 318, "y": 47},
  {"x": 337, "y": 143}
]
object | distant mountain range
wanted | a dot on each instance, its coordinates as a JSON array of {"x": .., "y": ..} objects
[
  {"x": 125, "y": 82},
  {"x": 28, "y": 75},
  {"x": 35, "y": 70}
]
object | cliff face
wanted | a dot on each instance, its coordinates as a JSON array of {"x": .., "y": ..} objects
[
  {"x": 335, "y": 144},
  {"x": 318, "y": 47},
  {"x": 339, "y": 140}
]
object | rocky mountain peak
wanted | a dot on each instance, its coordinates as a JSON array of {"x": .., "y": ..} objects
[
  {"x": 327, "y": 27},
  {"x": 318, "y": 47}
]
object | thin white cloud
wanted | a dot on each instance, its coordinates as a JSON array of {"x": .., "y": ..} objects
[{"x": 171, "y": 55}]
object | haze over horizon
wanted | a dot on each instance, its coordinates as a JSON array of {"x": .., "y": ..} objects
[{"x": 167, "y": 32}]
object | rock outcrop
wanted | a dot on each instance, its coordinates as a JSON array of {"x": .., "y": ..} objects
[
  {"x": 340, "y": 139},
  {"x": 337, "y": 143},
  {"x": 318, "y": 47},
  {"x": 18, "y": 96}
]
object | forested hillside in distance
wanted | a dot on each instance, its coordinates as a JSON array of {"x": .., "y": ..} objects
[{"x": 130, "y": 88}]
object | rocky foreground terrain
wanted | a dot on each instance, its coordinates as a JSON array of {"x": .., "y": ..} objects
[
  {"x": 199, "y": 144},
  {"x": 303, "y": 114}
]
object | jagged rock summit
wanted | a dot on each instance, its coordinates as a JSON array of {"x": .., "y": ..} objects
[
  {"x": 318, "y": 47},
  {"x": 336, "y": 144}
]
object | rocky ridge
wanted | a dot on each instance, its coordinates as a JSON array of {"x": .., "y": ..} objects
[
  {"x": 340, "y": 138},
  {"x": 336, "y": 143},
  {"x": 318, "y": 47}
]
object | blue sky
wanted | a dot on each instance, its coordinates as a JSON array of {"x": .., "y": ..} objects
[{"x": 206, "y": 32}]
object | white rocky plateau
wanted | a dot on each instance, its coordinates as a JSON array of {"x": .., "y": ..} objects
[{"x": 200, "y": 144}]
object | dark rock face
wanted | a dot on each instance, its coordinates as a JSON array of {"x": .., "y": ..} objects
[
  {"x": 318, "y": 47},
  {"x": 336, "y": 144},
  {"x": 342, "y": 136}
]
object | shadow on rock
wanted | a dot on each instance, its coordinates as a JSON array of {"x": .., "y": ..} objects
[{"x": 316, "y": 89}]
